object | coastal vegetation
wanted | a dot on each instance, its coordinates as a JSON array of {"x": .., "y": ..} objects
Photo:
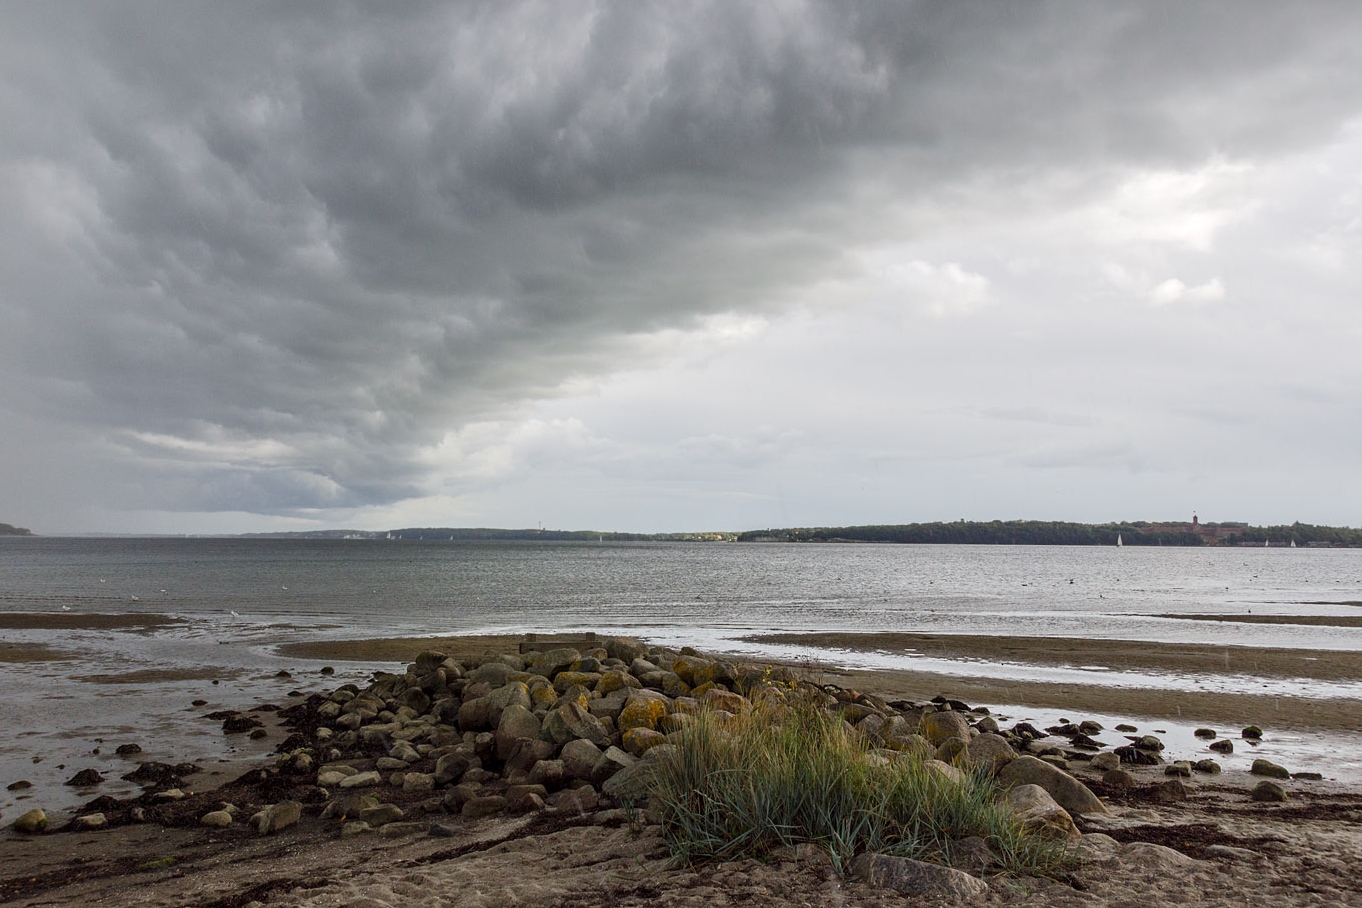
[
  {"x": 7, "y": 530},
  {"x": 773, "y": 779}
]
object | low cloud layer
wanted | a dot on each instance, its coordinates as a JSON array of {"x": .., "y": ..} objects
[{"x": 322, "y": 262}]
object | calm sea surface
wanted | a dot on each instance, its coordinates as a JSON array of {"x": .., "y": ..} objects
[{"x": 706, "y": 595}]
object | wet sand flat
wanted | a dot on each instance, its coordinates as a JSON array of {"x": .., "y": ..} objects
[
  {"x": 80, "y": 621},
  {"x": 1113, "y": 655},
  {"x": 31, "y": 652},
  {"x": 1306, "y": 620}
]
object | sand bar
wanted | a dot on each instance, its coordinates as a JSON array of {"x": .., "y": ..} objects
[
  {"x": 1197, "y": 706},
  {"x": 1113, "y": 655},
  {"x": 1299, "y": 713},
  {"x": 401, "y": 649}
]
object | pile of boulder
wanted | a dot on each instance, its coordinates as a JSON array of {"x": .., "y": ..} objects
[{"x": 581, "y": 728}]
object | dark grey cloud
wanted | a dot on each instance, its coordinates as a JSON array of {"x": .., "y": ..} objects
[{"x": 264, "y": 256}]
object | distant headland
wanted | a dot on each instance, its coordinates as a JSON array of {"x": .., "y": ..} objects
[
  {"x": 960, "y": 532},
  {"x": 7, "y": 530}
]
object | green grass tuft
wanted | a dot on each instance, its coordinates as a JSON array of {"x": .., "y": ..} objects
[{"x": 781, "y": 777}]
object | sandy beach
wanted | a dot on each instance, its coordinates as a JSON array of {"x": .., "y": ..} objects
[{"x": 1217, "y": 843}]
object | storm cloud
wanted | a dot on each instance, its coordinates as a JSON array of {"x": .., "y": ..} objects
[{"x": 316, "y": 258}]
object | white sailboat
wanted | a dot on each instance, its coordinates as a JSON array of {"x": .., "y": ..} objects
[{"x": 1119, "y": 543}]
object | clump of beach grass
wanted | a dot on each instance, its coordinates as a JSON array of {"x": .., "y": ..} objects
[{"x": 778, "y": 778}]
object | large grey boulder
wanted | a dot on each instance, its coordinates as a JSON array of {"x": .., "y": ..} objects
[
  {"x": 1040, "y": 814},
  {"x": 610, "y": 763},
  {"x": 551, "y": 662},
  {"x": 493, "y": 674},
  {"x": 513, "y": 693},
  {"x": 570, "y": 722},
  {"x": 632, "y": 785},
  {"x": 1068, "y": 792},
  {"x": 579, "y": 758},
  {"x": 516, "y": 722},
  {"x": 991, "y": 751},
  {"x": 938, "y": 726}
]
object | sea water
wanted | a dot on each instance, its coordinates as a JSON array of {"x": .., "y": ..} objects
[{"x": 238, "y": 599}]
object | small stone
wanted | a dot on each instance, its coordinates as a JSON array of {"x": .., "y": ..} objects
[
  {"x": 91, "y": 821},
  {"x": 85, "y": 778},
  {"x": 20, "y": 785},
  {"x": 216, "y": 819},
  {"x": 361, "y": 780},
  {"x": 1223, "y": 746},
  {"x": 381, "y": 815},
  {"x": 1251, "y": 733},
  {"x": 483, "y": 806},
  {"x": 1179, "y": 768},
  {"x": 1208, "y": 766},
  {"x": 236, "y": 724},
  {"x": 394, "y": 830},
  {"x": 1268, "y": 792},
  {"x": 530, "y": 802},
  {"x": 1124, "y": 728},
  {"x": 125, "y": 750},
  {"x": 1149, "y": 742},
  {"x": 31, "y": 823},
  {"x": 1105, "y": 762},
  {"x": 1206, "y": 733},
  {"x": 1308, "y": 776},
  {"x": 1170, "y": 792},
  {"x": 1267, "y": 768},
  {"x": 276, "y": 817},
  {"x": 354, "y": 828},
  {"x": 1118, "y": 778}
]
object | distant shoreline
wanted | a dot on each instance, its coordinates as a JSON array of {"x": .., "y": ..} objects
[{"x": 961, "y": 532}]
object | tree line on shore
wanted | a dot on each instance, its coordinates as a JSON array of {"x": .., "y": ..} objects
[
  {"x": 1053, "y": 532},
  {"x": 960, "y": 532}
]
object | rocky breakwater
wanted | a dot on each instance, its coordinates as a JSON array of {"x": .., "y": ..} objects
[
  {"x": 578, "y": 729},
  {"x": 570, "y": 731}
]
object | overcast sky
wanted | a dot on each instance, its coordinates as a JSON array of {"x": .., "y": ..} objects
[{"x": 678, "y": 266}]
